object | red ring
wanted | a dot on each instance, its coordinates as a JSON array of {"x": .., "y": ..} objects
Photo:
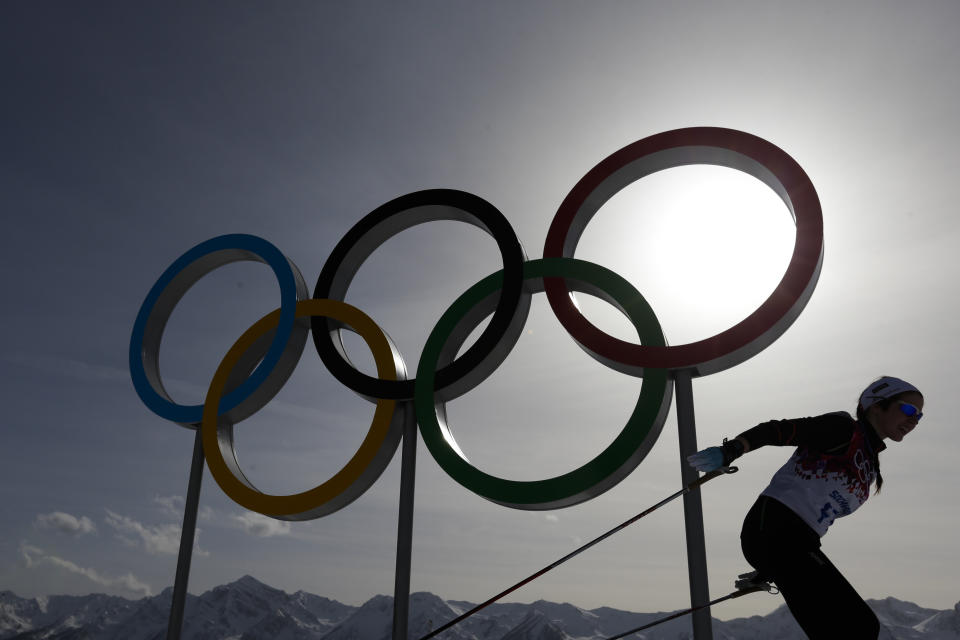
[{"x": 696, "y": 145}]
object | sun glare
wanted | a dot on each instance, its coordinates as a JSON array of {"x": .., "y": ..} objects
[{"x": 705, "y": 245}]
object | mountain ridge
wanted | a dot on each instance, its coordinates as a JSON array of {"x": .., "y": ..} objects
[{"x": 248, "y": 609}]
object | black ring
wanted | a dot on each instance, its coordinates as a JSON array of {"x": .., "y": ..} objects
[{"x": 477, "y": 362}]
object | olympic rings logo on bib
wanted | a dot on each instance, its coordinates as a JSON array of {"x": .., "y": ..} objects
[{"x": 264, "y": 357}]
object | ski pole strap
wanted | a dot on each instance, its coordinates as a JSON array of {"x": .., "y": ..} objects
[
  {"x": 693, "y": 485},
  {"x": 707, "y": 477}
]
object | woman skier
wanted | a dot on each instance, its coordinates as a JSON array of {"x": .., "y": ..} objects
[{"x": 828, "y": 476}]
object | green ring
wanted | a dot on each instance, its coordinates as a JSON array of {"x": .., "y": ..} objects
[{"x": 601, "y": 473}]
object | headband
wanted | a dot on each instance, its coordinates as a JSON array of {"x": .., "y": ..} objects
[{"x": 883, "y": 388}]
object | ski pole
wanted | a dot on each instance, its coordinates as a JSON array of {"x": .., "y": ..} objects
[
  {"x": 678, "y": 614},
  {"x": 687, "y": 489}
]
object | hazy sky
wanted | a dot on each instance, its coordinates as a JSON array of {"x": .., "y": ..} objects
[{"x": 132, "y": 132}]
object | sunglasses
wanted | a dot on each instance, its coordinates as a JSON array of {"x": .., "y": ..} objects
[{"x": 911, "y": 411}]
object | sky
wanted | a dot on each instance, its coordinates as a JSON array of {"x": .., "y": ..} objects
[{"x": 131, "y": 133}]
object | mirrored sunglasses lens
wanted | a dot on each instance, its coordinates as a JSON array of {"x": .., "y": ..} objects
[{"x": 910, "y": 410}]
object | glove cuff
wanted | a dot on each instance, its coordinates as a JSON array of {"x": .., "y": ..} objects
[{"x": 732, "y": 449}]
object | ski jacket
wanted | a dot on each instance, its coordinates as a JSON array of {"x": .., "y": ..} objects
[{"x": 830, "y": 473}]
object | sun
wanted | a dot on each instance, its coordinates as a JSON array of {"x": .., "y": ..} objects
[{"x": 705, "y": 245}]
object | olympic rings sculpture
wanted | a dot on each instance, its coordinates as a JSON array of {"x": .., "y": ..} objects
[{"x": 263, "y": 358}]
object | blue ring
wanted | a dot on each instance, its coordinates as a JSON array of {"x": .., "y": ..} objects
[{"x": 260, "y": 249}]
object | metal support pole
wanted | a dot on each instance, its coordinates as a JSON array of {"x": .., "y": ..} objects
[
  {"x": 187, "y": 532},
  {"x": 693, "y": 509},
  {"x": 408, "y": 467}
]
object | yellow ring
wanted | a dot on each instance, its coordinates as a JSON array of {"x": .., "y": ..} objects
[{"x": 335, "y": 492}]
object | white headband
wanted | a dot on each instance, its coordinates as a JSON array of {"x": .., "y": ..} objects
[{"x": 882, "y": 389}]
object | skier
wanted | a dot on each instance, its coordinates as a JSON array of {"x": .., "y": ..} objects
[{"x": 828, "y": 476}]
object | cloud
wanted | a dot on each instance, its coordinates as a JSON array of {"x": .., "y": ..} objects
[
  {"x": 172, "y": 505},
  {"x": 65, "y": 523},
  {"x": 159, "y": 539},
  {"x": 262, "y": 526},
  {"x": 68, "y": 367},
  {"x": 35, "y": 556},
  {"x": 93, "y": 372},
  {"x": 551, "y": 518}
]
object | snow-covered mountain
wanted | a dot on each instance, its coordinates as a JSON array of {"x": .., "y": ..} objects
[{"x": 249, "y": 610}]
